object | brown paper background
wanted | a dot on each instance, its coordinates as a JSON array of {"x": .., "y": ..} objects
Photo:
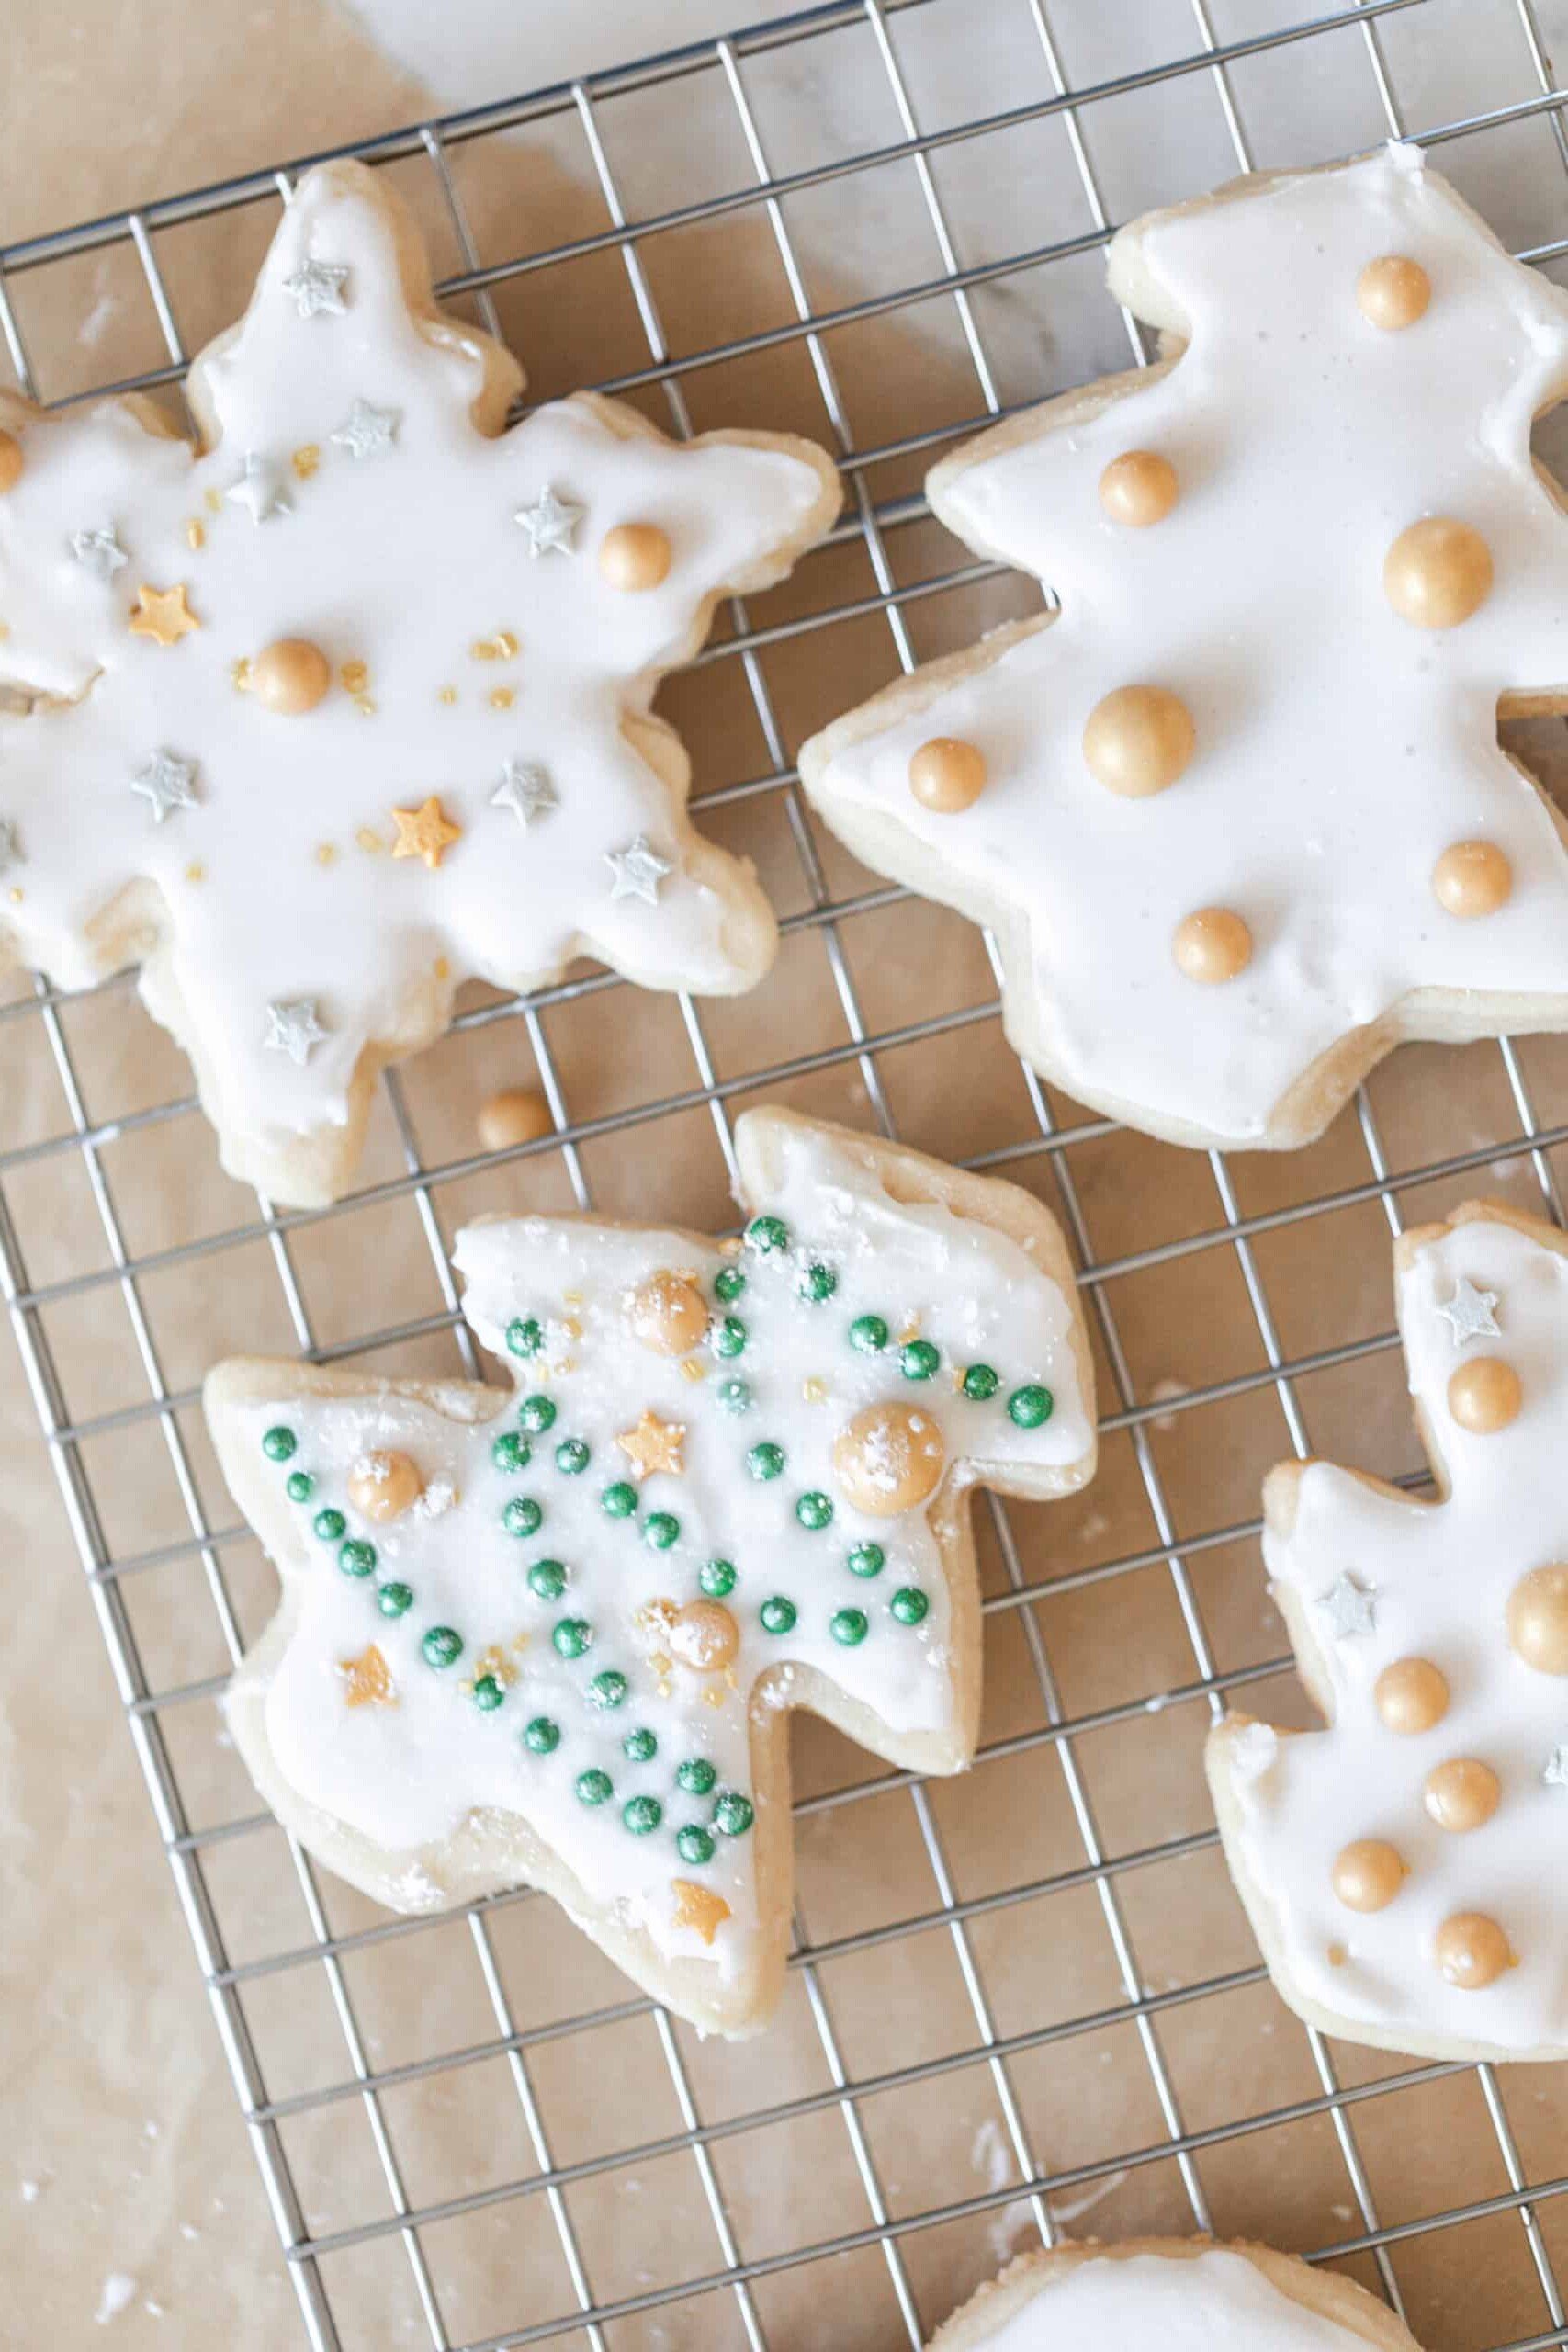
[{"x": 118, "y": 2105}]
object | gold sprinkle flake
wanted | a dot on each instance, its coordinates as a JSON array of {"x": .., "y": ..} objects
[
  {"x": 364, "y": 705},
  {"x": 195, "y": 533},
  {"x": 356, "y": 677},
  {"x": 911, "y": 1331},
  {"x": 494, "y": 1660},
  {"x": 196, "y": 872},
  {"x": 652, "y": 1622},
  {"x": 368, "y": 839},
  {"x": 571, "y": 1298},
  {"x": 240, "y": 675},
  {"x": 213, "y": 500},
  {"x": 520, "y": 1641},
  {"x": 367, "y": 1680},
  {"x": 813, "y": 1389},
  {"x": 1337, "y": 1955},
  {"x": 571, "y": 1327},
  {"x": 712, "y": 1697},
  {"x": 502, "y": 698},
  {"x": 443, "y": 968},
  {"x": 15, "y": 897},
  {"x": 326, "y": 853},
  {"x": 501, "y": 647},
  {"x": 692, "y": 1368},
  {"x": 446, "y": 694},
  {"x": 304, "y": 461},
  {"x": 731, "y": 1246}
]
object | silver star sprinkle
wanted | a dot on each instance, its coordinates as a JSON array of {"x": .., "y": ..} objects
[
  {"x": 1469, "y": 1313},
  {"x": 552, "y": 524},
  {"x": 98, "y": 551},
  {"x": 10, "y": 846},
  {"x": 1556, "y": 1772},
  {"x": 317, "y": 286},
  {"x": 1350, "y": 1608},
  {"x": 367, "y": 432},
  {"x": 260, "y": 489},
  {"x": 165, "y": 783},
  {"x": 638, "y": 870},
  {"x": 293, "y": 1029},
  {"x": 526, "y": 790}
]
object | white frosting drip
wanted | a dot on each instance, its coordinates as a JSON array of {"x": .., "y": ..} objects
[
  {"x": 1440, "y": 1576},
  {"x": 1340, "y": 751},
  {"x": 407, "y": 1775},
  {"x": 1216, "y": 2301},
  {"x": 402, "y": 561}
]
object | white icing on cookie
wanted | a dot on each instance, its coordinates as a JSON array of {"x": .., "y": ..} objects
[
  {"x": 1339, "y": 750},
  {"x": 753, "y": 1523},
  {"x": 352, "y": 503},
  {"x": 1216, "y": 2301},
  {"x": 1435, "y": 1581}
]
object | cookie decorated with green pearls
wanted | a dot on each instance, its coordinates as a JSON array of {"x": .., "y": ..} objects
[
  {"x": 350, "y": 701},
  {"x": 554, "y": 1634}
]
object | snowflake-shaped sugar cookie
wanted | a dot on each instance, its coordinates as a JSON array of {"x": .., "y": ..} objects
[
  {"x": 352, "y": 703},
  {"x": 557, "y": 1635},
  {"x": 1406, "y": 1868},
  {"x": 1237, "y": 810}
]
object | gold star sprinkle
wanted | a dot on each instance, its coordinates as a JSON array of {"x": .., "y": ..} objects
[
  {"x": 424, "y": 832},
  {"x": 699, "y": 1907},
  {"x": 367, "y": 1680},
  {"x": 162, "y": 615},
  {"x": 654, "y": 1445},
  {"x": 304, "y": 461}
]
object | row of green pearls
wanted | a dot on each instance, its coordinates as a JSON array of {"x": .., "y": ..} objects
[
  {"x": 733, "y": 1814},
  {"x": 849, "y": 1627},
  {"x": 356, "y": 1557}
]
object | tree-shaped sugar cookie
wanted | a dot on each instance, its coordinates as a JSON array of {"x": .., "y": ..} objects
[
  {"x": 557, "y": 1635},
  {"x": 1237, "y": 810},
  {"x": 1406, "y": 1868},
  {"x": 352, "y": 703}
]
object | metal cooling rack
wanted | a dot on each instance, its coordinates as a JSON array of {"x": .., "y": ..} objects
[{"x": 731, "y": 2279}]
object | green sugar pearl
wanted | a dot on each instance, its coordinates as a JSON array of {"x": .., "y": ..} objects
[
  {"x": 778, "y": 1615},
  {"x": 869, "y": 1334},
  {"x": 694, "y": 1845},
  {"x": 642, "y": 1815},
  {"x": 640, "y": 1746},
  {"x": 525, "y": 1336},
  {"x": 816, "y": 1282},
  {"x": 548, "y": 1579},
  {"x": 696, "y": 1776},
  {"x": 356, "y": 1558},
  {"x": 523, "y": 1516},
  {"x": 659, "y": 1530},
  {"x": 767, "y": 1235},
  {"x": 511, "y": 1451},
  {"x": 716, "y": 1578},
  {"x": 394, "y": 1599},
  {"x": 609, "y": 1689},
  {"x": 734, "y": 1397},
  {"x": 766, "y": 1460},
  {"x": 618, "y": 1501},
  {"x": 733, "y": 1814},
  {"x": 571, "y": 1457},
  {"x": 918, "y": 1359},
  {"x": 572, "y": 1637},
  {"x": 487, "y": 1694},
  {"x": 909, "y": 1605},
  {"x": 595, "y": 1788},
  {"x": 849, "y": 1626},
  {"x": 537, "y": 1414},
  {"x": 541, "y": 1737},
  {"x": 981, "y": 1384},
  {"x": 866, "y": 1560},
  {"x": 300, "y": 1486},
  {"x": 814, "y": 1510},
  {"x": 279, "y": 1443},
  {"x": 329, "y": 1525},
  {"x": 1030, "y": 1407},
  {"x": 728, "y": 1283},
  {"x": 728, "y": 1336},
  {"x": 442, "y": 1645}
]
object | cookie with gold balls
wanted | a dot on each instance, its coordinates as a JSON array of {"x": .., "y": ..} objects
[
  {"x": 1405, "y": 1867},
  {"x": 554, "y": 1633},
  {"x": 349, "y": 701},
  {"x": 1236, "y": 806}
]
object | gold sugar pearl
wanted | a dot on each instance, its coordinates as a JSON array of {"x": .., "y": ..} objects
[
  {"x": 1484, "y": 1396},
  {"x": 1139, "y": 488},
  {"x": 947, "y": 775},
  {"x": 518, "y": 1114},
  {"x": 1472, "y": 878},
  {"x": 1367, "y": 1874},
  {"x": 1411, "y": 1695},
  {"x": 1470, "y": 1950},
  {"x": 705, "y": 1636},
  {"x": 289, "y": 676},
  {"x": 1538, "y": 1620},
  {"x": 11, "y": 461},
  {"x": 635, "y": 556},
  {"x": 667, "y": 1312},
  {"x": 1438, "y": 573},
  {"x": 889, "y": 1459},
  {"x": 1137, "y": 740},
  {"x": 384, "y": 1486},
  {"x": 1392, "y": 292},
  {"x": 1461, "y": 1794},
  {"x": 1212, "y": 945}
]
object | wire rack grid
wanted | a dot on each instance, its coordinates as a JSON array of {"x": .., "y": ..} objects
[{"x": 721, "y": 2283}]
